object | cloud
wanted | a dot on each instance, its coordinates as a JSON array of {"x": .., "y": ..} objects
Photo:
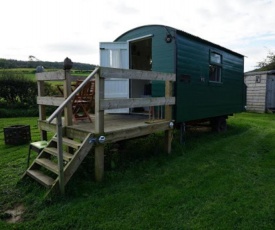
[
  {"x": 53, "y": 29},
  {"x": 72, "y": 47},
  {"x": 125, "y": 8}
]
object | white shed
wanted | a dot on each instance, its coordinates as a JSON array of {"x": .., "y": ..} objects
[{"x": 260, "y": 91}]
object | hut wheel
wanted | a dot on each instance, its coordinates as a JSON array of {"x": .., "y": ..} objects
[{"x": 219, "y": 124}]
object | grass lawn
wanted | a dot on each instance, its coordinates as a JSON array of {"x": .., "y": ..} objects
[{"x": 214, "y": 181}]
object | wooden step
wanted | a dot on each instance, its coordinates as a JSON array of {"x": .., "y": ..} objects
[
  {"x": 48, "y": 164},
  {"x": 40, "y": 178},
  {"x": 69, "y": 142},
  {"x": 53, "y": 151}
]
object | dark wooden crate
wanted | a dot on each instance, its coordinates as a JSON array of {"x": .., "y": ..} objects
[{"x": 17, "y": 134}]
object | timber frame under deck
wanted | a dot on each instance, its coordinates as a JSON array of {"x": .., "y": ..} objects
[{"x": 72, "y": 142}]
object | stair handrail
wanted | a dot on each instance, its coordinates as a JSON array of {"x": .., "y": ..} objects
[
  {"x": 57, "y": 114},
  {"x": 72, "y": 95}
]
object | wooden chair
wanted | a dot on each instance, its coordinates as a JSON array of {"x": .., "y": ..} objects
[{"x": 84, "y": 101}]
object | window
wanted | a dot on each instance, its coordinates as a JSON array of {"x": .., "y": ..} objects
[
  {"x": 215, "y": 58},
  {"x": 258, "y": 79},
  {"x": 215, "y": 67}
]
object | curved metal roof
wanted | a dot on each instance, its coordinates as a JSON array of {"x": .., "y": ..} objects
[{"x": 180, "y": 32}]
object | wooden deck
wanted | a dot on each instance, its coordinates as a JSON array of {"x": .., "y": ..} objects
[
  {"x": 115, "y": 122},
  {"x": 116, "y": 127}
]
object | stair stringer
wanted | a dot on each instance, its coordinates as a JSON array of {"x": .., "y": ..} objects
[{"x": 74, "y": 163}]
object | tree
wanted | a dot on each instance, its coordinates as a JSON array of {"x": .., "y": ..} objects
[
  {"x": 268, "y": 63},
  {"x": 34, "y": 62}
]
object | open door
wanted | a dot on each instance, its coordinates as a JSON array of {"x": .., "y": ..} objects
[{"x": 115, "y": 55}]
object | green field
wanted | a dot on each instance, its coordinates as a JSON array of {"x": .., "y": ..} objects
[
  {"x": 213, "y": 181},
  {"x": 30, "y": 72}
]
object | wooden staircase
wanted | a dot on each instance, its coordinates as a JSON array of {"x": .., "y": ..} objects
[{"x": 45, "y": 168}]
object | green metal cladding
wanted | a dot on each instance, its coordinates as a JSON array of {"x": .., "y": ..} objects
[{"x": 189, "y": 57}]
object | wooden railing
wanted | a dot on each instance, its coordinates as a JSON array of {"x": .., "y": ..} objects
[
  {"x": 101, "y": 104},
  {"x": 57, "y": 114},
  {"x": 116, "y": 103}
]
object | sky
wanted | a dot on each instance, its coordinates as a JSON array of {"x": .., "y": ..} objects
[{"x": 52, "y": 30}]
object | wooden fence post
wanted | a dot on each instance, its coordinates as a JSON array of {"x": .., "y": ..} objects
[
  {"x": 67, "y": 91},
  {"x": 99, "y": 127},
  {"x": 168, "y": 116},
  {"x": 42, "y": 108}
]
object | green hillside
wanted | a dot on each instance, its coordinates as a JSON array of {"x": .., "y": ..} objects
[{"x": 12, "y": 64}]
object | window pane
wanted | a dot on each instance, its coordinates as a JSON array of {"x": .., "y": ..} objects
[
  {"x": 115, "y": 58},
  {"x": 217, "y": 58},
  {"x": 214, "y": 73}
]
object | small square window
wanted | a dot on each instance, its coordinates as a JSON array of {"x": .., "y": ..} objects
[{"x": 215, "y": 58}]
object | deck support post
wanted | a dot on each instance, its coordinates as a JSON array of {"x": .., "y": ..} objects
[
  {"x": 168, "y": 140},
  {"x": 168, "y": 116},
  {"x": 42, "y": 109},
  {"x": 182, "y": 133},
  {"x": 99, "y": 128},
  {"x": 67, "y": 92},
  {"x": 99, "y": 163}
]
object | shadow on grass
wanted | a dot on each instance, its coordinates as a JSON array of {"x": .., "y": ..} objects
[
  {"x": 124, "y": 155},
  {"x": 201, "y": 134}
]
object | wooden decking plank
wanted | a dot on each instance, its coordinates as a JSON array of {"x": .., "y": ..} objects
[
  {"x": 128, "y": 133},
  {"x": 112, "y": 123},
  {"x": 154, "y": 121},
  {"x": 40, "y": 177},
  {"x": 116, "y": 127}
]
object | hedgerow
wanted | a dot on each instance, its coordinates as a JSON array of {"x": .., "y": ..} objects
[{"x": 18, "y": 95}]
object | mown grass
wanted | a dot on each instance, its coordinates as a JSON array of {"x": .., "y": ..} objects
[{"x": 213, "y": 181}]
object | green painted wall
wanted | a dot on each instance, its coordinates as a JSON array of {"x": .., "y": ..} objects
[
  {"x": 199, "y": 98},
  {"x": 188, "y": 56}
]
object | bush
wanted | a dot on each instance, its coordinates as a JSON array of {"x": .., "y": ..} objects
[
  {"x": 16, "y": 89},
  {"x": 18, "y": 95},
  {"x": 16, "y": 112}
]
